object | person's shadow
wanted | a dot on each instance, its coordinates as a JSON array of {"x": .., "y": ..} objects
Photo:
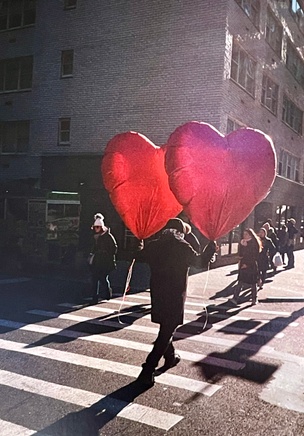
[{"x": 89, "y": 421}]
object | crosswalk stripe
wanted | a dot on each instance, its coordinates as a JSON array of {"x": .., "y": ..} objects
[
  {"x": 210, "y": 304},
  {"x": 227, "y": 343},
  {"x": 109, "y": 366},
  {"x": 103, "y": 339},
  {"x": 11, "y": 429},
  {"x": 226, "y": 328},
  {"x": 131, "y": 411}
]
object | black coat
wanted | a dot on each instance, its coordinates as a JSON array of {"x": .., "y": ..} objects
[
  {"x": 170, "y": 257},
  {"x": 267, "y": 253},
  {"x": 248, "y": 267},
  {"x": 104, "y": 250}
]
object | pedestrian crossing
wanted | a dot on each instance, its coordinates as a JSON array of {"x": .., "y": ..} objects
[{"x": 98, "y": 328}]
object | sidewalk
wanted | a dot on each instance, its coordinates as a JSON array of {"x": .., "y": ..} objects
[{"x": 217, "y": 282}]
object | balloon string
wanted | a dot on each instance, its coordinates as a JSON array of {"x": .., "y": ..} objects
[
  {"x": 127, "y": 287},
  {"x": 204, "y": 291}
]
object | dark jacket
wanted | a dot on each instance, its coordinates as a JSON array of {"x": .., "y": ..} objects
[
  {"x": 104, "y": 250},
  {"x": 248, "y": 267},
  {"x": 170, "y": 257},
  {"x": 266, "y": 254}
]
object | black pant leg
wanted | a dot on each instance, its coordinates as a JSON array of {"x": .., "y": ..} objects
[{"x": 162, "y": 343}]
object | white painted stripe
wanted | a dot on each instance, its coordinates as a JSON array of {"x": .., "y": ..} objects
[
  {"x": 103, "y": 339},
  {"x": 227, "y": 343},
  {"x": 131, "y": 411},
  {"x": 109, "y": 366},
  {"x": 218, "y": 326},
  {"x": 11, "y": 429}
]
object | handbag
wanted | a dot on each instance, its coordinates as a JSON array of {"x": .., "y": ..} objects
[{"x": 277, "y": 260}]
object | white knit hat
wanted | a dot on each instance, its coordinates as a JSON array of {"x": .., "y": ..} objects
[{"x": 99, "y": 220}]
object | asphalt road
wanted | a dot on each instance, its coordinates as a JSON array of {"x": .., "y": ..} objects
[{"x": 68, "y": 368}]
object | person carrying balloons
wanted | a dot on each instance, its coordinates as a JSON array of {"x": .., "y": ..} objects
[
  {"x": 249, "y": 250},
  {"x": 102, "y": 259},
  {"x": 169, "y": 257}
]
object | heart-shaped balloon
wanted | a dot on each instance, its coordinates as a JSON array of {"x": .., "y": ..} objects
[
  {"x": 133, "y": 171},
  {"x": 217, "y": 179}
]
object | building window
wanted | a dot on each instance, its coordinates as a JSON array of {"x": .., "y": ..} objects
[
  {"x": 67, "y": 57},
  {"x": 14, "y": 137},
  {"x": 64, "y": 131},
  {"x": 232, "y": 125},
  {"x": 297, "y": 11},
  {"x": 292, "y": 115},
  {"x": 274, "y": 32},
  {"x": 17, "y": 13},
  {"x": 251, "y": 9},
  {"x": 70, "y": 4},
  {"x": 243, "y": 69},
  {"x": 16, "y": 74},
  {"x": 289, "y": 166},
  {"x": 294, "y": 63},
  {"x": 270, "y": 92}
]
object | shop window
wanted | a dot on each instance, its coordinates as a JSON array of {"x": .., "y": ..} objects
[
  {"x": 64, "y": 131},
  {"x": 295, "y": 63},
  {"x": 243, "y": 69},
  {"x": 292, "y": 115},
  {"x": 17, "y": 13},
  {"x": 274, "y": 32},
  {"x": 270, "y": 92},
  {"x": 16, "y": 74},
  {"x": 14, "y": 137},
  {"x": 251, "y": 9},
  {"x": 67, "y": 58}
]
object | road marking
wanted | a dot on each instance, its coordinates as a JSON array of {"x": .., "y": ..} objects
[
  {"x": 103, "y": 339},
  {"x": 16, "y": 280},
  {"x": 109, "y": 366},
  {"x": 227, "y": 343},
  {"x": 11, "y": 429},
  {"x": 201, "y": 325},
  {"x": 131, "y": 411},
  {"x": 286, "y": 387}
]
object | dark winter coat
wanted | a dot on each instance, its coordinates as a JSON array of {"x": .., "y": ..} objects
[
  {"x": 267, "y": 253},
  {"x": 170, "y": 257},
  {"x": 104, "y": 250},
  {"x": 248, "y": 267}
]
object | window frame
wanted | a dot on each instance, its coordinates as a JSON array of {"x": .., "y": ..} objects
[
  {"x": 297, "y": 12},
  {"x": 289, "y": 166},
  {"x": 247, "y": 6},
  {"x": 21, "y": 71},
  {"x": 14, "y": 128},
  {"x": 68, "y": 6},
  {"x": 290, "y": 114},
  {"x": 64, "y": 55},
  {"x": 242, "y": 70},
  {"x": 268, "y": 83},
  {"x": 295, "y": 63},
  {"x": 235, "y": 125},
  {"x": 61, "y": 131},
  {"x": 274, "y": 38},
  {"x": 23, "y": 11}
]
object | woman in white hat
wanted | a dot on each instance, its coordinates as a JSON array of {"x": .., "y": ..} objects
[{"x": 102, "y": 258}]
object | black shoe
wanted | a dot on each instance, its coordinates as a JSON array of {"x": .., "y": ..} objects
[
  {"x": 172, "y": 361},
  {"x": 146, "y": 377}
]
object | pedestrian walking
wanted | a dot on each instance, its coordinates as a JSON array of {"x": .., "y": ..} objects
[
  {"x": 169, "y": 257},
  {"x": 283, "y": 241},
  {"x": 292, "y": 231},
  {"x": 267, "y": 253},
  {"x": 271, "y": 233},
  {"x": 249, "y": 249},
  {"x": 102, "y": 259}
]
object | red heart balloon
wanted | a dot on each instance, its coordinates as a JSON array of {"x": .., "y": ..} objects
[
  {"x": 217, "y": 179},
  {"x": 133, "y": 172}
]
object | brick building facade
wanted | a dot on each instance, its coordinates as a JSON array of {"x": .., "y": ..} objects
[{"x": 73, "y": 73}]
